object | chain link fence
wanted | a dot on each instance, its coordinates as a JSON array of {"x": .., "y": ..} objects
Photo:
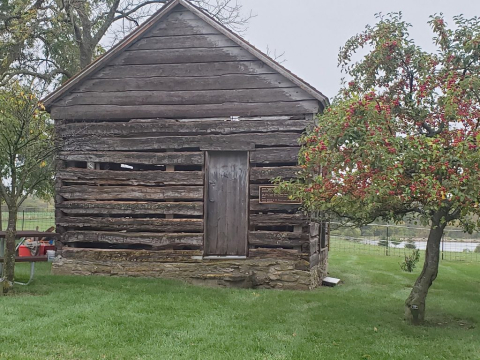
[
  {"x": 400, "y": 240},
  {"x": 31, "y": 218}
]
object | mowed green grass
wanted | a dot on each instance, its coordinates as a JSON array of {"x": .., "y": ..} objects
[{"x": 62, "y": 317}]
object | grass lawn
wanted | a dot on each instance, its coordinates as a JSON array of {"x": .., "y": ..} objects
[{"x": 59, "y": 317}]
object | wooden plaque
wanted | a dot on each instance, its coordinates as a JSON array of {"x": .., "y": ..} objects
[{"x": 267, "y": 195}]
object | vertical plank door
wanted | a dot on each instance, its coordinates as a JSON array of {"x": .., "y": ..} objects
[{"x": 226, "y": 203}]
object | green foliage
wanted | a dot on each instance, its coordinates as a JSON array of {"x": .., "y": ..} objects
[
  {"x": 477, "y": 249},
  {"x": 402, "y": 136},
  {"x": 27, "y": 147},
  {"x": 411, "y": 261}
]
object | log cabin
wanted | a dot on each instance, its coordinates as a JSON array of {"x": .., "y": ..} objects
[{"x": 169, "y": 143}]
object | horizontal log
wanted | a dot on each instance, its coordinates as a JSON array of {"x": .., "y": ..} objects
[
  {"x": 181, "y": 56},
  {"x": 176, "y": 25},
  {"x": 118, "y": 112},
  {"x": 254, "y": 192},
  {"x": 167, "y": 158},
  {"x": 156, "y": 240},
  {"x": 106, "y": 255},
  {"x": 85, "y": 192},
  {"x": 222, "y": 82},
  {"x": 277, "y": 219},
  {"x": 130, "y": 208},
  {"x": 170, "y": 127},
  {"x": 127, "y": 72},
  {"x": 256, "y": 206},
  {"x": 272, "y": 253},
  {"x": 182, "y": 42},
  {"x": 275, "y": 155},
  {"x": 108, "y": 177},
  {"x": 276, "y": 238},
  {"x": 129, "y": 224},
  {"x": 269, "y": 173},
  {"x": 207, "y": 142}
]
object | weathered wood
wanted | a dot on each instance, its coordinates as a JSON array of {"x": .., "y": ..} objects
[
  {"x": 105, "y": 255},
  {"x": 275, "y": 155},
  {"x": 236, "y": 141},
  {"x": 276, "y": 238},
  {"x": 30, "y": 259},
  {"x": 178, "y": 27},
  {"x": 130, "y": 208},
  {"x": 129, "y": 224},
  {"x": 256, "y": 206},
  {"x": 254, "y": 190},
  {"x": 169, "y": 127},
  {"x": 269, "y": 173},
  {"x": 126, "y": 72},
  {"x": 192, "y": 83},
  {"x": 84, "y": 192},
  {"x": 226, "y": 203},
  {"x": 108, "y": 177},
  {"x": 131, "y": 98},
  {"x": 118, "y": 112},
  {"x": 167, "y": 158},
  {"x": 156, "y": 240},
  {"x": 314, "y": 260},
  {"x": 277, "y": 219},
  {"x": 183, "y": 56},
  {"x": 273, "y": 253},
  {"x": 183, "y": 42}
]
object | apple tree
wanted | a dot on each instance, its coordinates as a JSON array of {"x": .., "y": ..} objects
[{"x": 402, "y": 137}]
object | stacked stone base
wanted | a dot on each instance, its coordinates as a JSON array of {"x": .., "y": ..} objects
[{"x": 243, "y": 273}]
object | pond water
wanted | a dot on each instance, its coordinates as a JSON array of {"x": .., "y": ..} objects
[{"x": 454, "y": 246}]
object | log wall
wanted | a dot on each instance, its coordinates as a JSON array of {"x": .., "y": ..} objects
[{"x": 139, "y": 184}]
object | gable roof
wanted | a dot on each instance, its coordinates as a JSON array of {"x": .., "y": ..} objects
[{"x": 165, "y": 10}]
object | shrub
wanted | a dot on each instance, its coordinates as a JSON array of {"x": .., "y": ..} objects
[{"x": 411, "y": 261}]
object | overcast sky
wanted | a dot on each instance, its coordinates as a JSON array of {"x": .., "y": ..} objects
[{"x": 310, "y": 32}]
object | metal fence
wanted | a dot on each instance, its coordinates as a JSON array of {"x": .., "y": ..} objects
[
  {"x": 374, "y": 239},
  {"x": 31, "y": 218},
  {"x": 400, "y": 240}
]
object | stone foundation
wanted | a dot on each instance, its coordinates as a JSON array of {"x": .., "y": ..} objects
[{"x": 244, "y": 273}]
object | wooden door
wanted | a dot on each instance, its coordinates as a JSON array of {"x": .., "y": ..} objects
[{"x": 226, "y": 203}]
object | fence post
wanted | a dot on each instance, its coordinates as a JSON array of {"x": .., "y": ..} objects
[
  {"x": 386, "y": 249},
  {"x": 2, "y": 240},
  {"x": 23, "y": 219},
  {"x": 443, "y": 244}
]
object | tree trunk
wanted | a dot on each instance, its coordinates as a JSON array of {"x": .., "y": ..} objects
[
  {"x": 86, "y": 54},
  {"x": 9, "y": 256},
  {"x": 415, "y": 303}
]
